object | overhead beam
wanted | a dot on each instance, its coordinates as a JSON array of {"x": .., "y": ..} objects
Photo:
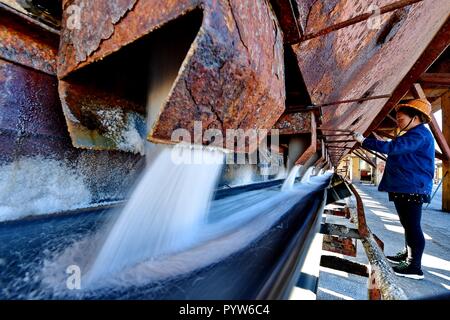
[
  {"x": 436, "y": 47},
  {"x": 376, "y": 154},
  {"x": 359, "y": 18},
  {"x": 438, "y": 79},
  {"x": 436, "y": 105}
]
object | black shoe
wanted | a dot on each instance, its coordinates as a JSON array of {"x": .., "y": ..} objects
[
  {"x": 405, "y": 269},
  {"x": 399, "y": 257}
]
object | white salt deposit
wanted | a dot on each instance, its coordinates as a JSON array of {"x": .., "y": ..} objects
[
  {"x": 33, "y": 186},
  {"x": 121, "y": 128}
]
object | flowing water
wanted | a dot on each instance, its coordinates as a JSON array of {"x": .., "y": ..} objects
[
  {"x": 36, "y": 262},
  {"x": 165, "y": 211},
  {"x": 307, "y": 176},
  {"x": 289, "y": 182}
]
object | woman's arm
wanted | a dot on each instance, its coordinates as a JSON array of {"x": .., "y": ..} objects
[{"x": 409, "y": 142}]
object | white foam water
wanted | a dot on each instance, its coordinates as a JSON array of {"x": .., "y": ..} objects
[
  {"x": 241, "y": 219},
  {"x": 289, "y": 182},
  {"x": 307, "y": 175},
  {"x": 165, "y": 212}
]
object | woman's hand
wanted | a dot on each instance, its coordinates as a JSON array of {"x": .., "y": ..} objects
[{"x": 358, "y": 137}]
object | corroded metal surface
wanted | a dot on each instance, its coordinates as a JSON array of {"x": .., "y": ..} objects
[
  {"x": 359, "y": 61},
  {"x": 44, "y": 13},
  {"x": 437, "y": 46},
  {"x": 97, "y": 23},
  {"x": 27, "y": 44},
  {"x": 303, "y": 7},
  {"x": 109, "y": 25},
  {"x": 382, "y": 276},
  {"x": 310, "y": 152},
  {"x": 32, "y": 126},
  {"x": 91, "y": 125},
  {"x": 294, "y": 123},
  {"x": 232, "y": 77},
  {"x": 285, "y": 12}
]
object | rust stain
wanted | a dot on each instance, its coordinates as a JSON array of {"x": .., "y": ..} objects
[
  {"x": 294, "y": 123},
  {"x": 232, "y": 77},
  {"x": 356, "y": 61},
  {"x": 111, "y": 25},
  {"x": 27, "y": 44}
]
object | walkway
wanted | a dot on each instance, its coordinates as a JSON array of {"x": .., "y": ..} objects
[{"x": 383, "y": 221}]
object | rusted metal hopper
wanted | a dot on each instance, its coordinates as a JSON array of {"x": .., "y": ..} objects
[{"x": 219, "y": 62}]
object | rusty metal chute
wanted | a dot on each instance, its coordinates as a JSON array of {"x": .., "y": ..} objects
[{"x": 230, "y": 77}]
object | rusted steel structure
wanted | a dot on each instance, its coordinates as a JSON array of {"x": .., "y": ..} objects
[
  {"x": 105, "y": 75},
  {"x": 353, "y": 65},
  {"x": 32, "y": 125},
  {"x": 341, "y": 236},
  {"x": 234, "y": 65},
  {"x": 230, "y": 76}
]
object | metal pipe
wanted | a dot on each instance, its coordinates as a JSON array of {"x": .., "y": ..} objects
[
  {"x": 340, "y": 141},
  {"x": 335, "y": 130},
  {"x": 384, "y": 96},
  {"x": 362, "y": 17}
]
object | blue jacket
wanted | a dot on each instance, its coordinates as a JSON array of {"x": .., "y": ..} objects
[{"x": 410, "y": 164}]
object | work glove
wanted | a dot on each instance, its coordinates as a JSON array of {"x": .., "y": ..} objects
[{"x": 358, "y": 137}]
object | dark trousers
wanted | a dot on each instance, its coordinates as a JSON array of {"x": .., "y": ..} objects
[{"x": 410, "y": 214}]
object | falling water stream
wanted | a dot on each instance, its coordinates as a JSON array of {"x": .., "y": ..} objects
[
  {"x": 169, "y": 228},
  {"x": 165, "y": 212},
  {"x": 289, "y": 182},
  {"x": 307, "y": 176}
]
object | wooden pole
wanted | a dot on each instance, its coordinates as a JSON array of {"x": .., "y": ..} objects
[
  {"x": 445, "y": 104},
  {"x": 418, "y": 92}
]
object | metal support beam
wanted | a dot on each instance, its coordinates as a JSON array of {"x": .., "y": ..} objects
[
  {"x": 383, "y": 283},
  {"x": 432, "y": 52},
  {"x": 364, "y": 158},
  {"x": 339, "y": 230},
  {"x": 311, "y": 150},
  {"x": 376, "y": 154},
  {"x": 362, "y": 17},
  {"x": 435, "y": 79}
]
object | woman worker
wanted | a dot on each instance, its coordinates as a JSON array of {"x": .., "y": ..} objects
[{"x": 408, "y": 178}]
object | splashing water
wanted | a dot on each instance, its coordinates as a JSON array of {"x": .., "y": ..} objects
[
  {"x": 289, "y": 182},
  {"x": 165, "y": 212},
  {"x": 307, "y": 175}
]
